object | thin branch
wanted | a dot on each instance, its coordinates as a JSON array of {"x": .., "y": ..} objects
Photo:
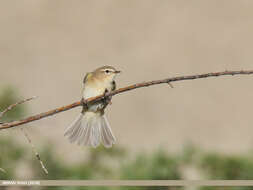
[
  {"x": 10, "y": 107},
  {"x": 34, "y": 150},
  {"x": 2, "y": 170},
  {"x": 118, "y": 91}
]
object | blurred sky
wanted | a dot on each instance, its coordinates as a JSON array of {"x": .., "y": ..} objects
[{"x": 46, "y": 47}]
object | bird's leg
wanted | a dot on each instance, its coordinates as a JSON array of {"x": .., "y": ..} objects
[
  {"x": 107, "y": 99},
  {"x": 84, "y": 103},
  {"x": 171, "y": 86}
]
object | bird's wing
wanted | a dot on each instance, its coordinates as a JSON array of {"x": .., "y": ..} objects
[
  {"x": 113, "y": 85},
  {"x": 86, "y": 77}
]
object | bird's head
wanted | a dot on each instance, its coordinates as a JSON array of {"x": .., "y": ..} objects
[{"x": 107, "y": 73}]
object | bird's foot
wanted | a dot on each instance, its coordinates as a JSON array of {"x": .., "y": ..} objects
[
  {"x": 84, "y": 103},
  {"x": 107, "y": 99}
]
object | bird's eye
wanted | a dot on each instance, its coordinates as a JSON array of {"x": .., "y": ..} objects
[{"x": 107, "y": 71}]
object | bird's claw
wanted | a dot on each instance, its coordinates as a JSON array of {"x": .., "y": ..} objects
[
  {"x": 171, "y": 86},
  {"x": 84, "y": 103},
  {"x": 107, "y": 99}
]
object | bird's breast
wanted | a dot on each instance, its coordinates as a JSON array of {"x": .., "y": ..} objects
[
  {"x": 96, "y": 89},
  {"x": 89, "y": 92}
]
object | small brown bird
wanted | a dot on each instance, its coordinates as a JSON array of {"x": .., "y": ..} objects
[{"x": 91, "y": 125}]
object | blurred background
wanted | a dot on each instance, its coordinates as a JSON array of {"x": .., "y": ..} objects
[{"x": 199, "y": 129}]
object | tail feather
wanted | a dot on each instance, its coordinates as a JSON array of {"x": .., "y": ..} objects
[
  {"x": 89, "y": 129},
  {"x": 73, "y": 131},
  {"x": 82, "y": 134},
  {"x": 107, "y": 136},
  {"x": 74, "y": 125}
]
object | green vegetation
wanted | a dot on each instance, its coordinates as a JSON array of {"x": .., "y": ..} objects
[{"x": 116, "y": 163}]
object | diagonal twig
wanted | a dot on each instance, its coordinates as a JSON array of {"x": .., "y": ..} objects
[
  {"x": 121, "y": 90},
  {"x": 2, "y": 170},
  {"x": 34, "y": 150},
  {"x": 9, "y": 108}
]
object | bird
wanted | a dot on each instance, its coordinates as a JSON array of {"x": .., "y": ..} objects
[{"x": 91, "y": 127}]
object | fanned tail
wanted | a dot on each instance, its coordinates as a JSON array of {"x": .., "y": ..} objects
[{"x": 89, "y": 128}]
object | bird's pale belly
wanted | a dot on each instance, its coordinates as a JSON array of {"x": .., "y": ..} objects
[{"x": 91, "y": 92}]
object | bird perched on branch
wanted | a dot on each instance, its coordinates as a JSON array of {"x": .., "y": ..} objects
[{"x": 91, "y": 126}]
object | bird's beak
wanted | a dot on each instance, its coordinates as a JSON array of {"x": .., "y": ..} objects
[{"x": 117, "y": 72}]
